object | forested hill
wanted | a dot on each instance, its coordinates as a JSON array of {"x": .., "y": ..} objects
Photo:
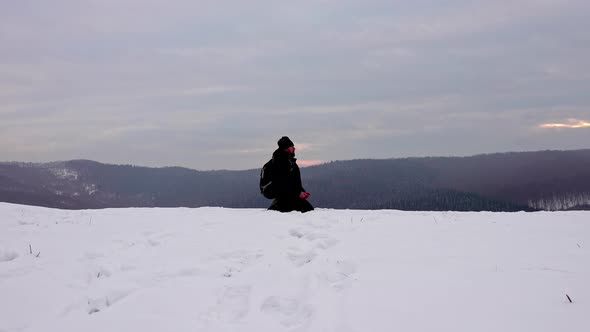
[{"x": 544, "y": 180}]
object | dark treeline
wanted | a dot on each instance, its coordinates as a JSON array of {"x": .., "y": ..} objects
[{"x": 550, "y": 180}]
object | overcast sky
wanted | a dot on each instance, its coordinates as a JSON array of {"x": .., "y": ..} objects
[{"x": 214, "y": 84}]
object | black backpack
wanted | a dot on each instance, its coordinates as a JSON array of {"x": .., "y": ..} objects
[{"x": 266, "y": 177}]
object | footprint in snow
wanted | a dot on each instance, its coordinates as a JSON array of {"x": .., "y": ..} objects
[
  {"x": 297, "y": 233},
  {"x": 153, "y": 243},
  {"x": 237, "y": 261},
  {"x": 101, "y": 273},
  {"x": 233, "y": 304},
  {"x": 7, "y": 255},
  {"x": 338, "y": 274},
  {"x": 289, "y": 311},
  {"x": 99, "y": 303},
  {"x": 326, "y": 243},
  {"x": 299, "y": 258},
  {"x": 321, "y": 240},
  {"x": 155, "y": 240}
]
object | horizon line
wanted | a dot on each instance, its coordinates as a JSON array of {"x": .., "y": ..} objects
[{"x": 320, "y": 162}]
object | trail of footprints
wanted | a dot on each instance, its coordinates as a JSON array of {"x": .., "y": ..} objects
[
  {"x": 290, "y": 308},
  {"x": 293, "y": 311},
  {"x": 234, "y": 302},
  {"x": 334, "y": 272}
]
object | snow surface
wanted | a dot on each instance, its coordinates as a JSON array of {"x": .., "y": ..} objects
[
  {"x": 214, "y": 269},
  {"x": 65, "y": 173}
]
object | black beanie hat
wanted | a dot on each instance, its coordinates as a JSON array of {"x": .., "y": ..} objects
[{"x": 285, "y": 142}]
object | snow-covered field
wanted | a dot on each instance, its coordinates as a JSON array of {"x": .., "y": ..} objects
[{"x": 214, "y": 269}]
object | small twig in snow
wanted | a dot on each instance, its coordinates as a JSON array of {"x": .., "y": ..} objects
[
  {"x": 30, "y": 249},
  {"x": 568, "y": 297},
  {"x": 435, "y": 221},
  {"x": 579, "y": 246},
  {"x": 38, "y": 254}
]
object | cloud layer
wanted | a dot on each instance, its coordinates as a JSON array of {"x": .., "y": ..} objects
[{"x": 214, "y": 84}]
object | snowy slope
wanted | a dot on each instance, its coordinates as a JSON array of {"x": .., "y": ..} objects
[{"x": 214, "y": 269}]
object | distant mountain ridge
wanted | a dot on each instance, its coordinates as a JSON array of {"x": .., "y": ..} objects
[{"x": 542, "y": 180}]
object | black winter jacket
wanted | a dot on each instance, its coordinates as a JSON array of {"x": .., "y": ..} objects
[{"x": 286, "y": 175}]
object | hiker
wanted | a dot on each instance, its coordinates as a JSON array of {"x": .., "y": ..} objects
[{"x": 289, "y": 194}]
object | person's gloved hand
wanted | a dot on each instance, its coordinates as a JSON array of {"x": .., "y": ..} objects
[{"x": 304, "y": 195}]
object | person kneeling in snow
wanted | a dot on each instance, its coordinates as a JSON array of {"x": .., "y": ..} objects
[{"x": 287, "y": 190}]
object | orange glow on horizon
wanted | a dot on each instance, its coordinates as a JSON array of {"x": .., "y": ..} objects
[
  {"x": 573, "y": 123},
  {"x": 306, "y": 163}
]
